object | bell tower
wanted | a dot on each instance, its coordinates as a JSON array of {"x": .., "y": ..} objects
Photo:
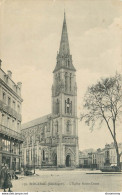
[{"x": 64, "y": 105}]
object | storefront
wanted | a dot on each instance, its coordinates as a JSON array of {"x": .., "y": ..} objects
[{"x": 10, "y": 152}]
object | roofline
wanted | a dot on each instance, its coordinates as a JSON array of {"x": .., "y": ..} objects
[{"x": 34, "y": 120}]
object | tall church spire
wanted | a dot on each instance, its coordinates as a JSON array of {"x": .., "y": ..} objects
[
  {"x": 64, "y": 59},
  {"x": 64, "y": 44}
]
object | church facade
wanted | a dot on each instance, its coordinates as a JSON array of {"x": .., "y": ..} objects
[{"x": 52, "y": 140}]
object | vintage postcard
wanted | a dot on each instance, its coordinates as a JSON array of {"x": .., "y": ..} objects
[{"x": 61, "y": 96}]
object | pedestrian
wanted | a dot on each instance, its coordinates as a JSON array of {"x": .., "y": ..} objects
[
  {"x": 1, "y": 176},
  {"x": 5, "y": 178},
  {"x": 8, "y": 181}
]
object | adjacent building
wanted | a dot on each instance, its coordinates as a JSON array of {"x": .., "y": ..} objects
[
  {"x": 94, "y": 160},
  {"x": 110, "y": 154},
  {"x": 85, "y": 160},
  {"x": 101, "y": 157},
  {"x": 100, "y": 160},
  {"x": 10, "y": 121},
  {"x": 52, "y": 140}
]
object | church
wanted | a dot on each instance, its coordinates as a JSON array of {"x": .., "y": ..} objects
[{"x": 52, "y": 140}]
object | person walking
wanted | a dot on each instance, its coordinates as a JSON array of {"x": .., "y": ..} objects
[
  {"x": 8, "y": 180},
  {"x": 1, "y": 176},
  {"x": 5, "y": 178}
]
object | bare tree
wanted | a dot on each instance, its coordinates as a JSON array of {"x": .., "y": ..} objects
[{"x": 103, "y": 104}]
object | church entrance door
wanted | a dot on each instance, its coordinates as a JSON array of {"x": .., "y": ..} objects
[{"x": 68, "y": 161}]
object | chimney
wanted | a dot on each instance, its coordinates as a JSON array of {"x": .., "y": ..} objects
[
  {"x": 0, "y": 63},
  {"x": 9, "y": 73}
]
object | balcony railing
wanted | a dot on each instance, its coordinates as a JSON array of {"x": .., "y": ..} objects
[
  {"x": 11, "y": 133},
  {"x": 10, "y": 110}
]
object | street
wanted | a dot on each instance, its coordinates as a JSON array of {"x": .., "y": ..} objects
[{"x": 68, "y": 180}]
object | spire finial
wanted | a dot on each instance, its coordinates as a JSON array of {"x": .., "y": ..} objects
[{"x": 64, "y": 16}]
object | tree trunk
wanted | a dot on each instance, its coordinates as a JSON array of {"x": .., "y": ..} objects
[
  {"x": 118, "y": 161},
  {"x": 117, "y": 153}
]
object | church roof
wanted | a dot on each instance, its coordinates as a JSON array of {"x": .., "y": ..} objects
[{"x": 35, "y": 122}]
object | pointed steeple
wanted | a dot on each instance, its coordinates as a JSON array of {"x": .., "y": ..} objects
[
  {"x": 64, "y": 44},
  {"x": 64, "y": 59}
]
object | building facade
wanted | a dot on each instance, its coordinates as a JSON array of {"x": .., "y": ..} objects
[
  {"x": 110, "y": 154},
  {"x": 85, "y": 160},
  {"x": 53, "y": 139},
  {"x": 101, "y": 157},
  {"x": 10, "y": 121}
]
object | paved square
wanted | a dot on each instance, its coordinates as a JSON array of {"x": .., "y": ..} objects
[{"x": 67, "y": 181}]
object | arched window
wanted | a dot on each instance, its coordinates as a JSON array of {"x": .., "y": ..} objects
[
  {"x": 68, "y": 126},
  {"x": 57, "y": 106},
  {"x": 68, "y": 106},
  {"x": 43, "y": 155},
  {"x": 71, "y": 107}
]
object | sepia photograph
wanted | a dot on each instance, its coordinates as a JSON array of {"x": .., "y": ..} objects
[{"x": 60, "y": 96}]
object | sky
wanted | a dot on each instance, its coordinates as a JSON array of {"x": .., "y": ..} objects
[{"x": 30, "y": 32}]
